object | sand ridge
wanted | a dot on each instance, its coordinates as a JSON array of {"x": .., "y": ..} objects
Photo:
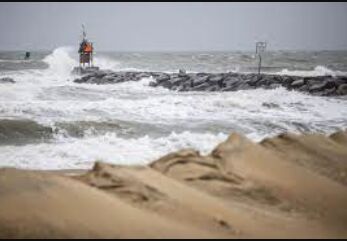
[{"x": 288, "y": 186}]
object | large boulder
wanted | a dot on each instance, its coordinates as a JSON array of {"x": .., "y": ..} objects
[
  {"x": 108, "y": 79},
  {"x": 142, "y": 75},
  {"x": 318, "y": 86},
  {"x": 182, "y": 73},
  {"x": 162, "y": 78},
  {"x": 217, "y": 80},
  {"x": 232, "y": 83},
  {"x": 328, "y": 92},
  {"x": 322, "y": 84},
  {"x": 201, "y": 87},
  {"x": 176, "y": 81},
  {"x": 342, "y": 89},
  {"x": 254, "y": 80},
  {"x": 200, "y": 79},
  {"x": 93, "y": 80}
]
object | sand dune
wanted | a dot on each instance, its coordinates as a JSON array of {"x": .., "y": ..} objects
[{"x": 288, "y": 186}]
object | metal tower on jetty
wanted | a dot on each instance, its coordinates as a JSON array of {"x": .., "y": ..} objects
[{"x": 86, "y": 52}]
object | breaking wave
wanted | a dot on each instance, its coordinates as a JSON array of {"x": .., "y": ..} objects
[
  {"x": 75, "y": 153},
  {"x": 60, "y": 62},
  {"x": 22, "y": 131},
  {"x": 317, "y": 71}
]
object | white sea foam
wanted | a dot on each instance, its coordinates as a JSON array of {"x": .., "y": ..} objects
[
  {"x": 317, "y": 71},
  {"x": 82, "y": 153}
]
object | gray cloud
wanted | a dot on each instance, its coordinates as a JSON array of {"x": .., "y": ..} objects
[{"x": 174, "y": 26}]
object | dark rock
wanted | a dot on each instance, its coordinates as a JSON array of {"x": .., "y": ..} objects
[
  {"x": 162, "y": 78},
  {"x": 312, "y": 81},
  {"x": 7, "y": 80},
  {"x": 231, "y": 80},
  {"x": 166, "y": 84},
  {"x": 200, "y": 87},
  {"x": 79, "y": 81},
  {"x": 326, "y": 83},
  {"x": 325, "y": 92},
  {"x": 228, "y": 88},
  {"x": 153, "y": 84},
  {"x": 342, "y": 89},
  {"x": 318, "y": 86},
  {"x": 108, "y": 79},
  {"x": 182, "y": 88},
  {"x": 142, "y": 75},
  {"x": 329, "y": 92},
  {"x": 119, "y": 79},
  {"x": 232, "y": 83},
  {"x": 265, "y": 81},
  {"x": 176, "y": 81},
  {"x": 182, "y": 73},
  {"x": 100, "y": 74},
  {"x": 212, "y": 88},
  {"x": 303, "y": 88},
  {"x": 200, "y": 80},
  {"x": 217, "y": 80},
  {"x": 87, "y": 77},
  {"x": 254, "y": 80},
  {"x": 339, "y": 81},
  {"x": 245, "y": 86},
  {"x": 279, "y": 80},
  {"x": 93, "y": 80},
  {"x": 287, "y": 81},
  {"x": 270, "y": 105}
]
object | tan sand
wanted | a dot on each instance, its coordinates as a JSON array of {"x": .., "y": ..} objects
[{"x": 289, "y": 186}]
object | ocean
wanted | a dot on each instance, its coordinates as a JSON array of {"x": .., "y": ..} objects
[{"x": 49, "y": 122}]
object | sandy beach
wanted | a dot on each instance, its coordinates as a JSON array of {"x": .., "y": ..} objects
[{"x": 288, "y": 186}]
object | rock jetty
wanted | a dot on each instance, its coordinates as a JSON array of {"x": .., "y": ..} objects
[{"x": 182, "y": 81}]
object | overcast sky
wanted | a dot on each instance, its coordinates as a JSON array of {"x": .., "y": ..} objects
[{"x": 174, "y": 26}]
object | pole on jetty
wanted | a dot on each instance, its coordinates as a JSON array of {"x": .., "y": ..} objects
[{"x": 260, "y": 48}]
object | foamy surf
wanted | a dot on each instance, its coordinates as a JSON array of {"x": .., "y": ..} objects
[
  {"x": 74, "y": 153},
  {"x": 317, "y": 71},
  {"x": 134, "y": 123}
]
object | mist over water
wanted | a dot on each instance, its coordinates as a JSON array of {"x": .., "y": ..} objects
[{"x": 49, "y": 122}]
